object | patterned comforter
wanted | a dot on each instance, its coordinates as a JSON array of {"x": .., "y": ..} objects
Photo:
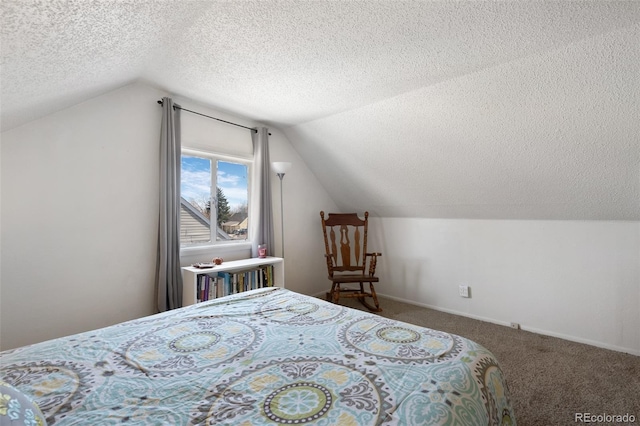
[{"x": 264, "y": 357}]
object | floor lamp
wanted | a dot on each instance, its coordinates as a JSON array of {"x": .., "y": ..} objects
[{"x": 281, "y": 168}]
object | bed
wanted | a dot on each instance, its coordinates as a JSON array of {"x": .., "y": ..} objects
[{"x": 263, "y": 357}]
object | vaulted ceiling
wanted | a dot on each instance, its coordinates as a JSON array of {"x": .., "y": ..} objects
[{"x": 497, "y": 110}]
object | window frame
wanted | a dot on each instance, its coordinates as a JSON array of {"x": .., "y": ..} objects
[{"x": 214, "y": 245}]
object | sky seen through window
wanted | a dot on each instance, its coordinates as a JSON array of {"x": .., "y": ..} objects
[{"x": 195, "y": 180}]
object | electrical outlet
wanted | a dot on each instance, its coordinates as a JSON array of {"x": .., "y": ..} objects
[
  {"x": 515, "y": 325},
  {"x": 463, "y": 290}
]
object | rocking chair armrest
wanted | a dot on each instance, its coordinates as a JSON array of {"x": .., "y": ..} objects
[{"x": 372, "y": 262}]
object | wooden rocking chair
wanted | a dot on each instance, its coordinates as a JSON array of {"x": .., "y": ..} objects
[{"x": 347, "y": 264}]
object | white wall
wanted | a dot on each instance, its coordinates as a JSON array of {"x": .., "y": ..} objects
[
  {"x": 79, "y": 217},
  {"x": 578, "y": 280},
  {"x": 78, "y": 222},
  {"x": 304, "y": 198},
  {"x": 78, "y": 200}
]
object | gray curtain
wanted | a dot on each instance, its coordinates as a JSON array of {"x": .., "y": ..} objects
[
  {"x": 168, "y": 273},
  {"x": 263, "y": 217}
]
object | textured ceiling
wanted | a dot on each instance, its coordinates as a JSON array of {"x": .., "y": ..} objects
[{"x": 481, "y": 109}]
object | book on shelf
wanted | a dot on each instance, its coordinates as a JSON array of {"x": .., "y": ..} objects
[{"x": 213, "y": 285}]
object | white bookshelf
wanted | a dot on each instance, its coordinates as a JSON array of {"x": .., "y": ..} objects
[{"x": 190, "y": 274}]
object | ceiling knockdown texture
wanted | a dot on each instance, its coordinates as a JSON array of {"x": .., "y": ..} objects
[{"x": 498, "y": 110}]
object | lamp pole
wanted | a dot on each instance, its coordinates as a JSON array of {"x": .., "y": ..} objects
[
  {"x": 281, "y": 168},
  {"x": 281, "y": 175}
]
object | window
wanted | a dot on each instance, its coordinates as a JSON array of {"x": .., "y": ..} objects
[{"x": 214, "y": 202}]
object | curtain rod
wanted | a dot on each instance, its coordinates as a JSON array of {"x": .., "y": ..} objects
[{"x": 213, "y": 118}]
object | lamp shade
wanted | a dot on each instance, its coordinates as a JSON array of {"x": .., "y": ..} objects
[{"x": 280, "y": 166}]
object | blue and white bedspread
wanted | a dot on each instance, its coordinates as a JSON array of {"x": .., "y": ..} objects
[{"x": 264, "y": 357}]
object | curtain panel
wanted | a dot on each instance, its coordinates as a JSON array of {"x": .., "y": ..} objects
[
  {"x": 262, "y": 216},
  {"x": 168, "y": 273}
]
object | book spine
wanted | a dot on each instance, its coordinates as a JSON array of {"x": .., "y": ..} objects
[
  {"x": 226, "y": 283},
  {"x": 207, "y": 283},
  {"x": 212, "y": 287}
]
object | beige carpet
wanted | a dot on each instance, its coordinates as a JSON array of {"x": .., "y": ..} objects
[{"x": 549, "y": 379}]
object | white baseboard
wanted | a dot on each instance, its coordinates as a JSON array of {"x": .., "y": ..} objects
[{"x": 522, "y": 326}]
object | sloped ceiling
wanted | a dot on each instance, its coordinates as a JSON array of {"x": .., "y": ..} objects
[{"x": 497, "y": 110}]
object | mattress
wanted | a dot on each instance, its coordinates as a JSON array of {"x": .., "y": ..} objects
[{"x": 263, "y": 357}]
